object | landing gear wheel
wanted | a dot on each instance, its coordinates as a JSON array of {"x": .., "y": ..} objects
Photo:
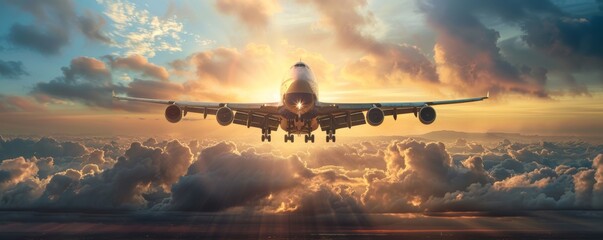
[
  {"x": 330, "y": 136},
  {"x": 289, "y": 137},
  {"x": 309, "y": 137},
  {"x": 266, "y": 135}
]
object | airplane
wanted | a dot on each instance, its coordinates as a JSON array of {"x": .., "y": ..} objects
[{"x": 300, "y": 111}]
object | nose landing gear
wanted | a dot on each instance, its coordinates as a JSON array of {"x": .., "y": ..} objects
[
  {"x": 330, "y": 135},
  {"x": 289, "y": 137}
]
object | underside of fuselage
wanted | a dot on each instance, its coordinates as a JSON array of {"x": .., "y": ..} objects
[{"x": 298, "y": 113}]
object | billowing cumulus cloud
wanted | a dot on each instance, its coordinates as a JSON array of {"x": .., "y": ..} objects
[
  {"x": 222, "y": 178},
  {"x": 11, "y": 70},
  {"x": 13, "y": 171},
  {"x": 416, "y": 172},
  {"x": 552, "y": 43},
  {"x": 466, "y": 51},
  {"x": 140, "y": 170},
  {"x": 383, "y": 61},
  {"x": 255, "y": 14},
  {"x": 384, "y": 176}
]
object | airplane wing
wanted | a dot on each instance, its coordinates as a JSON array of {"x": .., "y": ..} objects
[
  {"x": 341, "y": 115},
  {"x": 258, "y": 115}
]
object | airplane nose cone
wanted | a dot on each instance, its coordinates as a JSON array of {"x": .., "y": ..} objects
[{"x": 300, "y": 86}]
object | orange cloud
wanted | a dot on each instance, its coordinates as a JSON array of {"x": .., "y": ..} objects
[
  {"x": 382, "y": 62},
  {"x": 140, "y": 63},
  {"x": 254, "y": 14}
]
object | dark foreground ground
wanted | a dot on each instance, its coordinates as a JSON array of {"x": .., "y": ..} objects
[{"x": 179, "y": 225}]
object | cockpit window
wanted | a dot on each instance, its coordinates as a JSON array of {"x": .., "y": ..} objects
[{"x": 300, "y": 65}]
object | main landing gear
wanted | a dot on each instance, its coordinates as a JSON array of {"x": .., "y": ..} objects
[
  {"x": 309, "y": 137},
  {"x": 330, "y": 135},
  {"x": 266, "y": 135}
]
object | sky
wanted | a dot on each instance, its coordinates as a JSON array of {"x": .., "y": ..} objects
[
  {"x": 540, "y": 61},
  {"x": 528, "y": 162}
]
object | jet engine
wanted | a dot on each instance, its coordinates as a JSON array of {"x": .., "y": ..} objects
[
  {"x": 375, "y": 116},
  {"x": 173, "y": 114},
  {"x": 427, "y": 115},
  {"x": 225, "y": 116}
]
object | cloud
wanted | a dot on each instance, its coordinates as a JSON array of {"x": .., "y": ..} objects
[
  {"x": 217, "y": 64},
  {"x": 53, "y": 21},
  {"x": 86, "y": 80},
  {"x": 140, "y": 64},
  {"x": 13, "y": 171},
  {"x": 471, "y": 59},
  {"x": 254, "y": 14},
  {"x": 348, "y": 156},
  {"x": 137, "y": 31},
  {"x": 466, "y": 51},
  {"x": 242, "y": 68},
  {"x": 45, "y": 41},
  {"x": 91, "y": 25},
  {"x": 89, "y": 81},
  {"x": 383, "y": 61},
  {"x": 141, "y": 169},
  {"x": 11, "y": 70},
  {"x": 569, "y": 40},
  {"x": 154, "y": 89},
  {"x": 384, "y": 176},
  {"x": 416, "y": 172},
  {"x": 87, "y": 68},
  {"x": 222, "y": 178},
  {"x": 44, "y": 147},
  {"x": 19, "y": 103},
  {"x": 598, "y": 187}
]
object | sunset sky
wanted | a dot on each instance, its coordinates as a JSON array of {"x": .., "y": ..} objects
[
  {"x": 541, "y": 61},
  {"x": 529, "y": 160}
]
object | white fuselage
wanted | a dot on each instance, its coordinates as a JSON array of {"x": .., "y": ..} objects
[{"x": 299, "y": 96}]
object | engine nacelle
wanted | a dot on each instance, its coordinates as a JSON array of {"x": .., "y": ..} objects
[
  {"x": 225, "y": 116},
  {"x": 173, "y": 114},
  {"x": 375, "y": 116},
  {"x": 427, "y": 115}
]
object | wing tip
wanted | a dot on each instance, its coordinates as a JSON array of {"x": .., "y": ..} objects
[{"x": 487, "y": 95}]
